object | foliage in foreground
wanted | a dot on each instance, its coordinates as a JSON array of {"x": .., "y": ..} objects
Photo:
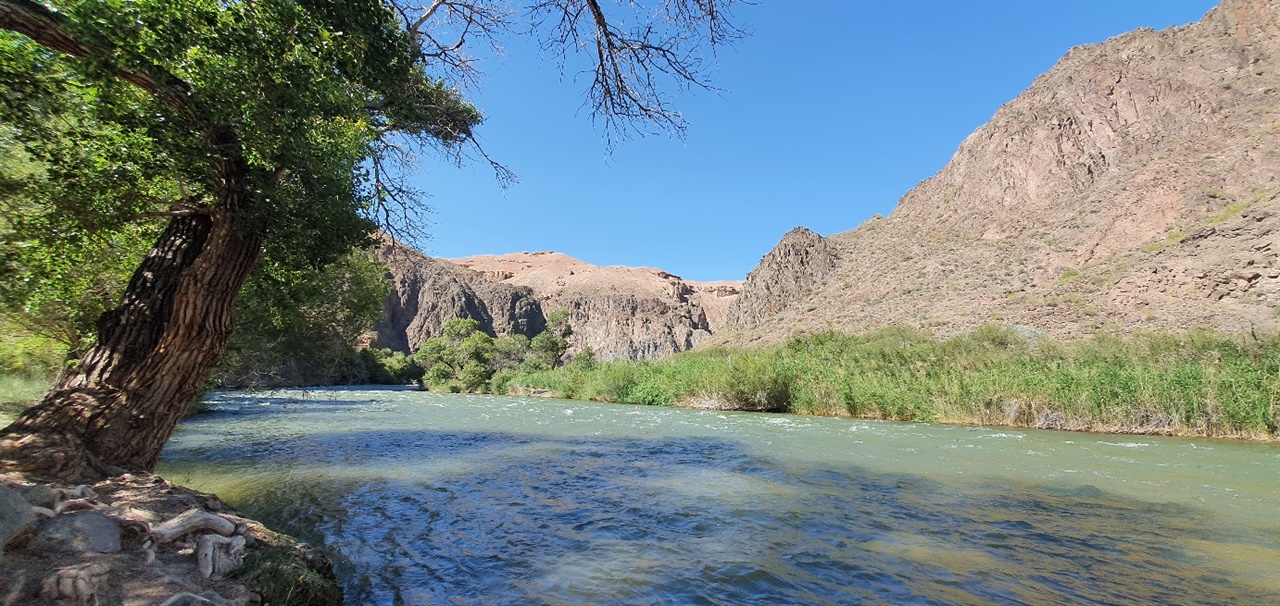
[
  {"x": 1199, "y": 383},
  {"x": 302, "y": 326}
]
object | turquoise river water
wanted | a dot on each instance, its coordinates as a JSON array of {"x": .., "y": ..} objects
[{"x": 448, "y": 499}]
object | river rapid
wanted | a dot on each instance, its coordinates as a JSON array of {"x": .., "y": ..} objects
[{"x": 426, "y": 498}]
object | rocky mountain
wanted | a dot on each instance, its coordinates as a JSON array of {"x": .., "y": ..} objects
[
  {"x": 428, "y": 292},
  {"x": 620, "y": 312},
  {"x": 1134, "y": 185}
]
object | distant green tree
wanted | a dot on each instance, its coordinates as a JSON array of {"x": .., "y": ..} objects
[
  {"x": 438, "y": 374},
  {"x": 510, "y": 351},
  {"x": 583, "y": 360},
  {"x": 533, "y": 364},
  {"x": 458, "y": 329},
  {"x": 474, "y": 376},
  {"x": 386, "y": 367},
  {"x": 477, "y": 347},
  {"x": 438, "y": 352},
  {"x": 552, "y": 343},
  {"x": 462, "y": 352},
  {"x": 464, "y": 358}
]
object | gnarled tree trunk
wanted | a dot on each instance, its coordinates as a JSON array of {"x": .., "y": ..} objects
[{"x": 118, "y": 406}]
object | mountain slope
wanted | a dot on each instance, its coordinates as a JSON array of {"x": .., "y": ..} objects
[{"x": 1134, "y": 185}]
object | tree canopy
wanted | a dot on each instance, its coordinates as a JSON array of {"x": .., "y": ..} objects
[{"x": 237, "y": 131}]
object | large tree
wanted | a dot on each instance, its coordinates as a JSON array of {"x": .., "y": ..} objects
[{"x": 261, "y": 127}]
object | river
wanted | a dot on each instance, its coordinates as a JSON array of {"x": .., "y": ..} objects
[{"x": 426, "y": 498}]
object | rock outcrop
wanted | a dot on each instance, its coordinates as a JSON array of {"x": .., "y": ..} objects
[
  {"x": 428, "y": 292},
  {"x": 1134, "y": 185},
  {"x": 800, "y": 263},
  {"x": 619, "y": 312}
]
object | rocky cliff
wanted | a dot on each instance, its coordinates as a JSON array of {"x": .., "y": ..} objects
[
  {"x": 619, "y": 312},
  {"x": 800, "y": 263},
  {"x": 1134, "y": 185},
  {"x": 428, "y": 292}
]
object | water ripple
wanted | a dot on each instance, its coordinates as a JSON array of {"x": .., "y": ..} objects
[{"x": 416, "y": 513}]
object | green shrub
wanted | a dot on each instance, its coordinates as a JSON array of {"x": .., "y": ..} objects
[
  {"x": 501, "y": 380},
  {"x": 756, "y": 381},
  {"x": 584, "y": 360},
  {"x": 612, "y": 382},
  {"x": 474, "y": 376},
  {"x": 651, "y": 393},
  {"x": 533, "y": 364}
]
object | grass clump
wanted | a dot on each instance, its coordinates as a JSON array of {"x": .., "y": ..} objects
[
  {"x": 284, "y": 575},
  {"x": 1230, "y": 211},
  {"x": 1198, "y": 383},
  {"x": 756, "y": 381},
  {"x": 1165, "y": 242}
]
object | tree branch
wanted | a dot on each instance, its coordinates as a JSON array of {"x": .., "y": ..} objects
[
  {"x": 625, "y": 89},
  {"x": 426, "y": 15},
  {"x": 44, "y": 27}
]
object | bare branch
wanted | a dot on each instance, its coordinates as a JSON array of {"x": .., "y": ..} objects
[
  {"x": 630, "y": 68},
  {"x": 632, "y": 65},
  {"x": 505, "y": 176},
  {"x": 417, "y": 25},
  {"x": 442, "y": 31}
]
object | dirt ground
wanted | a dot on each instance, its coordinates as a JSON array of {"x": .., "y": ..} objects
[{"x": 147, "y": 569}]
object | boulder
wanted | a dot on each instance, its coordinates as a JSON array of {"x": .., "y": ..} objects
[
  {"x": 15, "y": 515},
  {"x": 82, "y": 531},
  {"x": 40, "y": 495}
]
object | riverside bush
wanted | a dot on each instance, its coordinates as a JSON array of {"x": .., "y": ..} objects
[
  {"x": 28, "y": 356},
  {"x": 756, "y": 381},
  {"x": 1196, "y": 383},
  {"x": 611, "y": 383}
]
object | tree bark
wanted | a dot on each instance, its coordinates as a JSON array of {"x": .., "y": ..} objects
[{"x": 118, "y": 406}]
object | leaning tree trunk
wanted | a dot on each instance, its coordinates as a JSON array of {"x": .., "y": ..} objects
[{"x": 118, "y": 406}]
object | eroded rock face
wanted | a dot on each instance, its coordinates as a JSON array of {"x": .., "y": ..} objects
[
  {"x": 428, "y": 292},
  {"x": 619, "y": 312},
  {"x": 1134, "y": 185}
]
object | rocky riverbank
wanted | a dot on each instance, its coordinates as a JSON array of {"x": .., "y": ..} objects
[{"x": 138, "y": 540}]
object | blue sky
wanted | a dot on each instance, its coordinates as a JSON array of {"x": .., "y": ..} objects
[{"x": 831, "y": 110}]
